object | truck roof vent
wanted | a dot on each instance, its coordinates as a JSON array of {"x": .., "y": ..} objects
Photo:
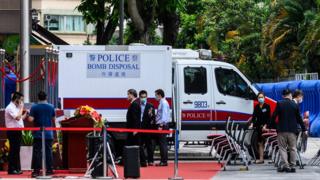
[{"x": 185, "y": 54}]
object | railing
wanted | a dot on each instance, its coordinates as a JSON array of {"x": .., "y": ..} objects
[
  {"x": 47, "y": 78},
  {"x": 307, "y": 76}
]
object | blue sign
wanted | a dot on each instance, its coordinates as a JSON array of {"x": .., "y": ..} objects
[{"x": 113, "y": 65}]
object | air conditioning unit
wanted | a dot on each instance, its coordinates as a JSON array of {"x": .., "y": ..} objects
[{"x": 48, "y": 17}]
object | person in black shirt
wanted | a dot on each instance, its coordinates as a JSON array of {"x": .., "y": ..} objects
[
  {"x": 134, "y": 122},
  {"x": 288, "y": 115},
  {"x": 147, "y": 122},
  {"x": 260, "y": 121}
]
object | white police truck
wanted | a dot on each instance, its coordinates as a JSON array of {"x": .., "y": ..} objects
[{"x": 202, "y": 92}]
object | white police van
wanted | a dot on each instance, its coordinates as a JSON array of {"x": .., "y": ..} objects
[{"x": 202, "y": 93}]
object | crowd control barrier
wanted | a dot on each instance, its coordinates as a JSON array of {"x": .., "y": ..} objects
[
  {"x": 105, "y": 145},
  {"x": 311, "y": 100}
]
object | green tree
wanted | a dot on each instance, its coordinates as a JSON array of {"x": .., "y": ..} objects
[
  {"x": 291, "y": 35},
  {"x": 142, "y": 14},
  {"x": 233, "y": 28},
  {"x": 310, "y": 44},
  {"x": 192, "y": 25},
  {"x": 168, "y": 16},
  {"x": 98, "y": 12},
  {"x": 146, "y": 15}
]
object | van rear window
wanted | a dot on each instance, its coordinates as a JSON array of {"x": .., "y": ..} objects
[{"x": 195, "y": 80}]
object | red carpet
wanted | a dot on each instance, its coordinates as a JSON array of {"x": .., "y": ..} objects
[{"x": 187, "y": 170}]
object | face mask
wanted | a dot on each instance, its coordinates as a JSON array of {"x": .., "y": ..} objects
[
  {"x": 261, "y": 100},
  {"x": 143, "y": 100}
]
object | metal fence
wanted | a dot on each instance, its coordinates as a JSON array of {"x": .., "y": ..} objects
[
  {"x": 2, "y": 80},
  {"x": 44, "y": 69},
  {"x": 307, "y": 76}
]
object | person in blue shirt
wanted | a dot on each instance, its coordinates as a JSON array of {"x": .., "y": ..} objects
[
  {"x": 42, "y": 114},
  {"x": 162, "y": 120}
]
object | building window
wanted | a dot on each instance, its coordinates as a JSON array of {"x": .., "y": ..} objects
[
  {"x": 230, "y": 83},
  {"x": 195, "y": 80},
  {"x": 64, "y": 23}
]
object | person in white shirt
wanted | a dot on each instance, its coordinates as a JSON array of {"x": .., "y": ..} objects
[
  {"x": 14, "y": 115},
  {"x": 162, "y": 120}
]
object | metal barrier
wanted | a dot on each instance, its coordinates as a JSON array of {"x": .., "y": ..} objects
[
  {"x": 106, "y": 148},
  {"x": 311, "y": 103},
  {"x": 307, "y": 76},
  {"x": 2, "y": 81},
  {"x": 47, "y": 78}
]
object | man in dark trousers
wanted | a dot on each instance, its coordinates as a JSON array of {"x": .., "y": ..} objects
[
  {"x": 147, "y": 122},
  {"x": 42, "y": 114},
  {"x": 288, "y": 115},
  {"x": 134, "y": 122},
  {"x": 14, "y": 115},
  {"x": 162, "y": 122}
]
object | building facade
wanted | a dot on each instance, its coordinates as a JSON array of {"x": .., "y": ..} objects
[{"x": 61, "y": 18}]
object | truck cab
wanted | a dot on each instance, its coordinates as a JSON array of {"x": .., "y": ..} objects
[{"x": 208, "y": 92}]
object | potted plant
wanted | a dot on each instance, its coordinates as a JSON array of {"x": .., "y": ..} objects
[
  {"x": 4, "y": 153},
  {"x": 57, "y": 156},
  {"x": 26, "y": 150}
]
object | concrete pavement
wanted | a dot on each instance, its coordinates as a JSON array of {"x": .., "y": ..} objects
[{"x": 268, "y": 171}]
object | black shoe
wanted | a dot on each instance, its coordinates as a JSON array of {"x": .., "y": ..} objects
[
  {"x": 143, "y": 165},
  {"x": 162, "y": 164},
  {"x": 14, "y": 172},
  {"x": 280, "y": 169},
  {"x": 292, "y": 170},
  {"x": 50, "y": 172},
  {"x": 286, "y": 169},
  {"x": 20, "y": 172},
  {"x": 35, "y": 174}
]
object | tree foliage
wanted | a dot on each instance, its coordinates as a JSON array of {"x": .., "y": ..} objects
[
  {"x": 104, "y": 14},
  {"x": 143, "y": 17},
  {"x": 231, "y": 29},
  {"x": 291, "y": 36},
  {"x": 146, "y": 15},
  {"x": 264, "y": 38}
]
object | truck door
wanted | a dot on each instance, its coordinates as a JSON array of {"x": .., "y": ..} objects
[
  {"x": 195, "y": 98},
  {"x": 233, "y": 95}
]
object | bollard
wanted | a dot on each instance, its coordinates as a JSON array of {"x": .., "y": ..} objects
[
  {"x": 44, "y": 176},
  {"x": 176, "y": 156},
  {"x": 105, "y": 155}
]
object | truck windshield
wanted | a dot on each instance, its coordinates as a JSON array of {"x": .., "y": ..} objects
[{"x": 231, "y": 83}]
